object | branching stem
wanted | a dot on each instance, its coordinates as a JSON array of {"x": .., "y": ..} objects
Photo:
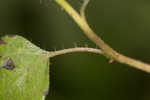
[{"x": 105, "y": 48}]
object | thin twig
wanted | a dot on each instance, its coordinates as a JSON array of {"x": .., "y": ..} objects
[
  {"x": 106, "y": 49},
  {"x": 83, "y": 7},
  {"x": 71, "y": 50}
]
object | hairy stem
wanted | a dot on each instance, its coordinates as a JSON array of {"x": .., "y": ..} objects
[
  {"x": 106, "y": 49},
  {"x": 71, "y": 50}
]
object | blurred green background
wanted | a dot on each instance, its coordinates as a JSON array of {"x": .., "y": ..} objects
[{"x": 123, "y": 24}]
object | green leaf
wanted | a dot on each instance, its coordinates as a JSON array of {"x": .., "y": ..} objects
[{"x": 24, "y": 70}]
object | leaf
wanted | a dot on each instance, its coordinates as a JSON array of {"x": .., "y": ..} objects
[{"x": 24, "y": 70}]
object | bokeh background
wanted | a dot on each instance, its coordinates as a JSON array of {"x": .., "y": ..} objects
[{"x": 123, "y": 24}]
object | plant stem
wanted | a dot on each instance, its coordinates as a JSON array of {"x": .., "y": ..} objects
[
  {"x": 106, "y": 49},
  {"x": 71, "y": 50},
  {"x": 83, "y": 8}
]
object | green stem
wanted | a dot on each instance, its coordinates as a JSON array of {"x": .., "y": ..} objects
[
  {"x": 71, "y": 50},
  {"x": 83, "y": 8},
  {"x": 106, "y": 49}
]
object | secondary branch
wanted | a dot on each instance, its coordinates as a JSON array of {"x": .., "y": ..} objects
[{"x": 105, "y": 48}]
